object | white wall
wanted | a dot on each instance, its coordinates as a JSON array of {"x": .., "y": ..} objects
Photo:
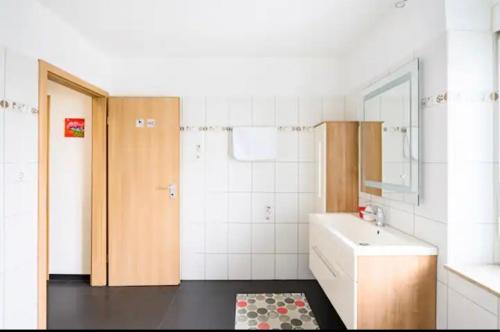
[
  {"x": 31, "y": 29},
  {"x": 395, "y": 40},
  {"x": 472, "y": 122},
  {"x": 471, "y": 136},
  {"x": 18, "y": 207},
  {"x": 29, "y": 32},
  {"x": 225, "y": 234},
  {"x": 2, "y": 187},
  {"x": 458, "y": 207},
  {"x": 216, "y": 76},
  {"x": 418, "y": 30},
  {"x": 226, "y": 230},
  {"x": 69, "y": 183}
]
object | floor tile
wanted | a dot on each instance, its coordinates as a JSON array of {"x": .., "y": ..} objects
[{"x": 191, "y": 305}]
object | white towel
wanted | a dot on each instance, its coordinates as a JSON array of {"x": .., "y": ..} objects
[
  {"x": 411, "y": 146},
  {"x": 254, "y": 143}
]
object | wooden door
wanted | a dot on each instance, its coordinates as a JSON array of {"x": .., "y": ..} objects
[{"x": 143, "y": 203}]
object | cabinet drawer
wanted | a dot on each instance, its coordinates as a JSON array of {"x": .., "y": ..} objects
[
  {"x": 334, "y": 249},
  {"x": 337, "y": 285}
]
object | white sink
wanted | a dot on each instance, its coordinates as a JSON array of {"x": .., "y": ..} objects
[
  {"x": 365, "y": 238},
  {"x": 340, "y": 244}
]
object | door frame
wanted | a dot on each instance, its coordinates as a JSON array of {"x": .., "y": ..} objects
[{"x": 48, "y": 72}]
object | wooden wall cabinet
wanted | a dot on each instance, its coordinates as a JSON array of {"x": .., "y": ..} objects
[
  {"x": 371, "y": 155},
  {"x": 336, "y": 163}
]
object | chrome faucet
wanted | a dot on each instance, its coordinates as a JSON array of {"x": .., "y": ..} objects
[
  {"x": 379, "y": 217},
  {"x": 378, "y": 214}
]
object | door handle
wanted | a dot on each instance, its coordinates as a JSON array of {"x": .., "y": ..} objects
[{"x": 171, "y": 188}]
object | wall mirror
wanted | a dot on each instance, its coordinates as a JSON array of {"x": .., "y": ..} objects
[{"x": 390, "y": 136}]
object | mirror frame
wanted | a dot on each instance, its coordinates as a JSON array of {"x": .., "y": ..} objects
[{"x": 407, "y": 73}]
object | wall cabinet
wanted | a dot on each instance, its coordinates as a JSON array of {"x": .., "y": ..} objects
[{"x": 336, "y": 167}]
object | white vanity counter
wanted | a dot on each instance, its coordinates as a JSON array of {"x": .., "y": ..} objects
[
  {"x": 370, "y": 273},
  {"x": 366, "y": 239}
]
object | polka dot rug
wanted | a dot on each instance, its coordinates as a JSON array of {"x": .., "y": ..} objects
[{"x": 286, "y": 311}]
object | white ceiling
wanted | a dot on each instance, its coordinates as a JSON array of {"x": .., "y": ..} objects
[{"x": 150, "y": 28}]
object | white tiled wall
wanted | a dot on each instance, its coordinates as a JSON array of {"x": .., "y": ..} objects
[
  {"x": 472, "y": 124},
  {"x": 457, "y": 207},
  {"x": 248, "y": 220},
  {"x": 227, "y": 232},
  {"x": 472, "y": 175},
  {"x": 2, "y": 186},
  {"x": 428, "y": 220},
  {"x": 18, "y": 231}
]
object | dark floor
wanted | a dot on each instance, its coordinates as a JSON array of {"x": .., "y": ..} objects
[{"x": 192, "y": 305}]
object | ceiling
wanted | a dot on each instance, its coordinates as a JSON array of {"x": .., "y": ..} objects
[{"x": 159, "y": 28}]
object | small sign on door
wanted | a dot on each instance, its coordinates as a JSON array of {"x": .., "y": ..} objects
[
  {"x": 139, "y": 123},
  {"x": 151, "y": 123}
]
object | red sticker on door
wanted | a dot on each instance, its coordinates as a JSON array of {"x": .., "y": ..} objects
[{"x": 74, "y": 128}]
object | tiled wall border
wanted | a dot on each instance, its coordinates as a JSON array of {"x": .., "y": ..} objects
[
  {"x": 435, "y": 100},
  {"x": 461, "y": 97},
  {"x": 438, "y": 99},
  {"x": 229, "y": 129},
  {"x": 10, "y": 105}
]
